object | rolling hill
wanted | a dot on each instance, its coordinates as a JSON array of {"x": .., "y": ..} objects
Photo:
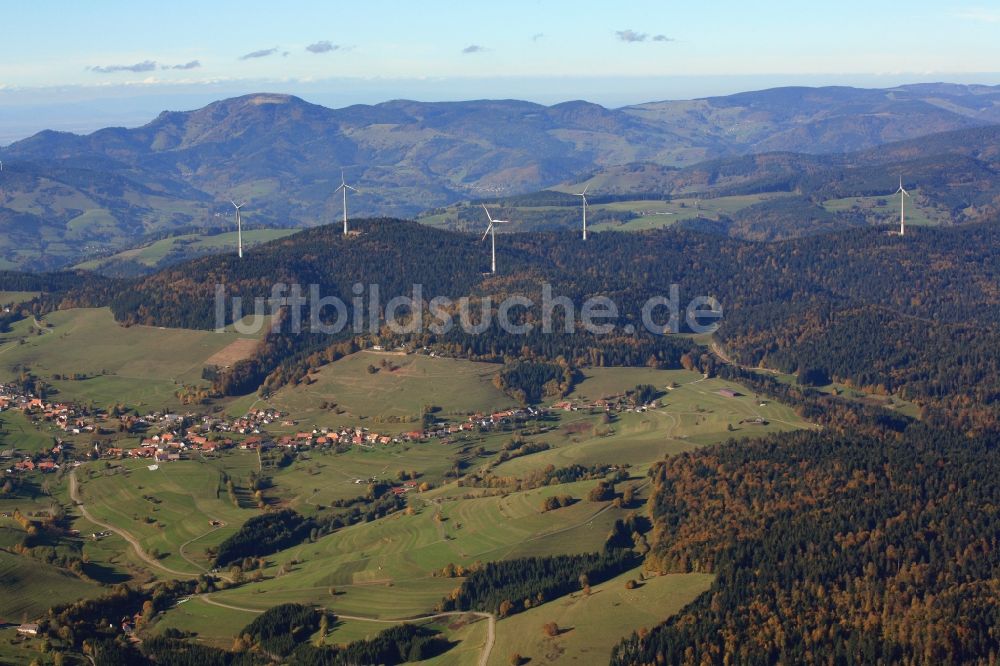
[
  {"x": 863, "y": 308},
  {"x": 65, "y": 196}
]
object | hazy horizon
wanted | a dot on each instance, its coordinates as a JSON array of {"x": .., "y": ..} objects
[
  {"x": 134, "y": 64},
  {"x": 85, "y": 109}
]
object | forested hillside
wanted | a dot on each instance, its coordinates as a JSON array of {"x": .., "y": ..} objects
[
  {"x": 830, "y": 549},
  {"x": 885, "y": 313}
]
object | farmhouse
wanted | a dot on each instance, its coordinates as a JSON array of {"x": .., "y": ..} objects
[{"x": 26, "y": 465}]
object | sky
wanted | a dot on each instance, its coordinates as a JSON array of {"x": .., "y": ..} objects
[{"x": 80, "y": 66}]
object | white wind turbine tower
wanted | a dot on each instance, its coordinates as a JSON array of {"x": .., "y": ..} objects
[
  {"x": 344, "y": 186},
  {"x": 239, "y": 227},
  {"x": 903, "y": 195},
  {"x": 491, "y": 231},
  {"x": 583, "y": 196}
]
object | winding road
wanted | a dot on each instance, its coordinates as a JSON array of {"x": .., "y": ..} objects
[{"x": 74, "y": 494}]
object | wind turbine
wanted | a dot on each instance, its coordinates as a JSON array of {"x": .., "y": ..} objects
[
  {"x": 344, "y": 186},
  {"x": 583, "y": 196},
  {"x": 903, "y": 195},
  {"x": 491, "y": 231},
  {"x": 239, "y": 227}
]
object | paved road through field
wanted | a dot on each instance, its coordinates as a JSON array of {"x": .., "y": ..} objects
[{"x": 74, "y": 493}]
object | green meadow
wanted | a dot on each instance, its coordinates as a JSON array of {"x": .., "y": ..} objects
[
  {"x": 389, "y": 569},
  {"x": 652, "y": 214},
  {"x": 393, "y": 398},
  {"x": 15, "y": 297},
  {"x": 887, "y": 209},
  {"x": 590, "y": 625},
  {"x": 142, "y": 366},
  {"x": 29, "y": 587},
  {"x": 169, "y": 509},
  {"x": 657, "y": 214},
  {"x": 186, "y": 245},
  {"x": 19, "y": 433}
]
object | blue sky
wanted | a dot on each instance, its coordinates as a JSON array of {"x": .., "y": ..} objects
[{"x": 113, "y": 59}]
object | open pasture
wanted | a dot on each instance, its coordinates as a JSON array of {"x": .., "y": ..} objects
[
  {"x": 384, "y": 568},
  {"x": 692, "y": 414},
  {"x": 141, "y": 365},
  {"x": 589, "y": 626},
  {"x": 29, "y": 587},
  {"x": 19, "y": 433},
  {"x": 319, "y": 477},
  {"x": 187, "y": 245},
  {"x": 887, "y": 208},
  {"x": 168, "y": 510},
  {"x": 393, "y": 398},
  {"x": 15, "y": 297}
]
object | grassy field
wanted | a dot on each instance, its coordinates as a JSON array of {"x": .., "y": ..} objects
[
  {"x": 692, "y": 414},
  {"x": 189, "y": 244},
  {"x": 392, "y": 400},
  {"x": 887, "y": 208},
  {"x": 320, "y": 477},
  {"x": 384, "y": 568},
  {"x": 14, "y": 297},
  {"x": 29, "y": 587},
  {"x": 19, "y": 433},
  {"x": 652, "y": 214},
  {"x": 169, "y": 510},
  {"x": 662, "y": 214},
  {"x": 140, "y": 365},
  {"x": 591, "y": 625}
]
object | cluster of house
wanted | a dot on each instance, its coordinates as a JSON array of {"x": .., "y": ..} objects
[
  {"x": 167, "y": 446},
  {"x": 178, "y": 442},
  {"x": 360, "y": 436},
  {"x": 614, "y": 404},
  {"x": 179, "y": 436},
  {"x": 68, "y": 417},
  {"x": 42, "y": 463}
]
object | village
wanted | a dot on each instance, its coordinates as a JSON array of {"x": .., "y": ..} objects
[{"x": 166, "y": 437}]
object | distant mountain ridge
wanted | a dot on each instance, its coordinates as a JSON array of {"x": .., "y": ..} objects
[{"x": 283, "y": 155}]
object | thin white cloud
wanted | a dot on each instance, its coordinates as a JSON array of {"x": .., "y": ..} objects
[
  {"x": 322, "y": 47},
  {"x": 194, "y": 64},
  {"x": 262, "y": 53},
  {"x": 631, "y": 36},
  {"x": 144, "y": 66},
  {"x": 473, "y": 48}
]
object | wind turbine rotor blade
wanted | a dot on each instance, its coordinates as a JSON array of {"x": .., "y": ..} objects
[
  {"x": 587, "y": 187},
  {"x": 488, "y": 213},
  {"x": 349, "y": 187},
  {"x": 486, "y": 233}
]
